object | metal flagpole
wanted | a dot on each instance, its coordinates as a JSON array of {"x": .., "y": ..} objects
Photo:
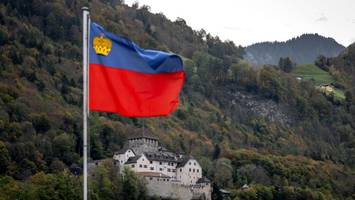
[{"x": 85, "y": 99}]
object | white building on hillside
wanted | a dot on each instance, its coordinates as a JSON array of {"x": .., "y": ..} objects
[{"x": 168, "y": 174}]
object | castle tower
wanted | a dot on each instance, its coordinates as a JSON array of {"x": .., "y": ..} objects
[{"x": 143, "y": 142}]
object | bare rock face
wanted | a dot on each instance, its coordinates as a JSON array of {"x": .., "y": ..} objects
[{"x": 245, "y": 105}]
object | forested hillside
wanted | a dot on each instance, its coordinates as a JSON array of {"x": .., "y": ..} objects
[
  {"x": 260, "y": 127},
  {"x": 302, "y": 50}
]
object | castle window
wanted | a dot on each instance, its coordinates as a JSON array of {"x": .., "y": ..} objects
[
  {"x": 195, "y": 163},
  {"x": 189, "y": 163},
  {"x": 198, "y": 170},
  {"x": 151, "y": 162},
  {"x": 168, "y": 170},
  {"x": 132, "y": 166},
  {"x": 140, "y": 166},
  {"x": 189, "y": 169},
  {"x": 145, "y": 166},
  {"x": 193, "y": 170},
  {"x": 161, "y": 169},
  {"x": 160, "y": 163},
  {"x": 150, "y": 178},
  {"x": 151, "y": 168},
  {"x": 180, "y": 170}
]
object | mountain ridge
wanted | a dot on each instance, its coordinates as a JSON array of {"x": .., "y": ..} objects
[{"x": 303, "y": 49}]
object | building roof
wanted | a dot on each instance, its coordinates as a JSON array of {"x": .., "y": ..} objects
[
  {"x": 182, "y": 162},
  {"x": 123, "y": 150},
  {"x": 152, "y": 174},
  {"x": 203, "y": 180},
  {"x": 142, "y": 134},
  {"x": 179, "y": 152},
  {"x": 161, "y": 156},
  {"x": 132, "y": 160}
]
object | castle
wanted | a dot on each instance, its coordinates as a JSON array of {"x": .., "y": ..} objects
[{"x": 168, "y": 175}]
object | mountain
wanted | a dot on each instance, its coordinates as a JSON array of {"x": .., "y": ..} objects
[
  {"x": 261, "y": 127},
  {"x": 302, "y": 50}
]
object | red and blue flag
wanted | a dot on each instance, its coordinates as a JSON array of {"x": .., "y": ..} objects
[{"x": 131, "y": 81}]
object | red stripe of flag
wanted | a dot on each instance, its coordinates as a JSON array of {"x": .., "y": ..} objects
[{"x": 133, "y": 94}]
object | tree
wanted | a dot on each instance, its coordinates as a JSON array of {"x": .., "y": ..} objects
[
  {"x": 322, "y": 62},
  {"x": 41, "y": 123},
  {"x": 223, "y": 172},
  {"x": 63, "y": 147},
  {"x": 4, "y": 158},
  {"x": 206, "y": 165},
  {"x": 239, "y": 71},
  {"x": 216, "y": 152},
  {"x": 270, "y": 83},
  {"x": 133, "y": 187},
  {"x": 57, "y": 166},
  {"x": 348, "y": 97},
  {"x": 286, "y": 65}
]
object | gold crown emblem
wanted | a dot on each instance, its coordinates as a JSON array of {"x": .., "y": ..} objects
[{"x": 102, "y": 46}]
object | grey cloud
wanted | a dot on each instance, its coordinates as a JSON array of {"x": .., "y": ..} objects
[{"x": 322, "y": 19}]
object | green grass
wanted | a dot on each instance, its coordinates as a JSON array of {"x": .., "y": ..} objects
[
  {"x": 318, "y": 77},
  {"x": 313, "y": 73},
  {"x": 339, "y": 95}
]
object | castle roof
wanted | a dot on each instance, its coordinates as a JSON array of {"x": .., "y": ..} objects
[
  {"x": 203, "y": 180},
  {"x": 183, "y": 161},
  {"x": 123, "y": 150},
  {"x": 161, "y": 156},
  {"x": 132, "y": 160}
]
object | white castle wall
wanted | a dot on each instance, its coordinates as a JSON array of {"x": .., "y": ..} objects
[
  {"x": 144, "y": 165},
  {"x": 190, "y": 173},
  {"x": 122, "y": 158}
]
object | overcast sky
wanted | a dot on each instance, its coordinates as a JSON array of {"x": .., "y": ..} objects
[{"x": 249, "y": 21}]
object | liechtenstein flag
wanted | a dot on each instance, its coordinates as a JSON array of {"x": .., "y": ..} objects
[{"x": 130, "y": 81}]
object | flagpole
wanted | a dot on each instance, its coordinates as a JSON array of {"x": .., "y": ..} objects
[{"x": 85, "y": 99}]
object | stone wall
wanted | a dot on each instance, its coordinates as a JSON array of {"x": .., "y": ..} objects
[
  {"x": 175, "y": 190},
  {"x": 203, "y": 188},
  {"x": 142, "y": 145},
  {"x": 168, "y": 189}
]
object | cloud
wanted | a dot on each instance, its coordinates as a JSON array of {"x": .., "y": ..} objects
[
  {"x": 322, "y": 19},
  {"x": 235, "y": 28}
]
